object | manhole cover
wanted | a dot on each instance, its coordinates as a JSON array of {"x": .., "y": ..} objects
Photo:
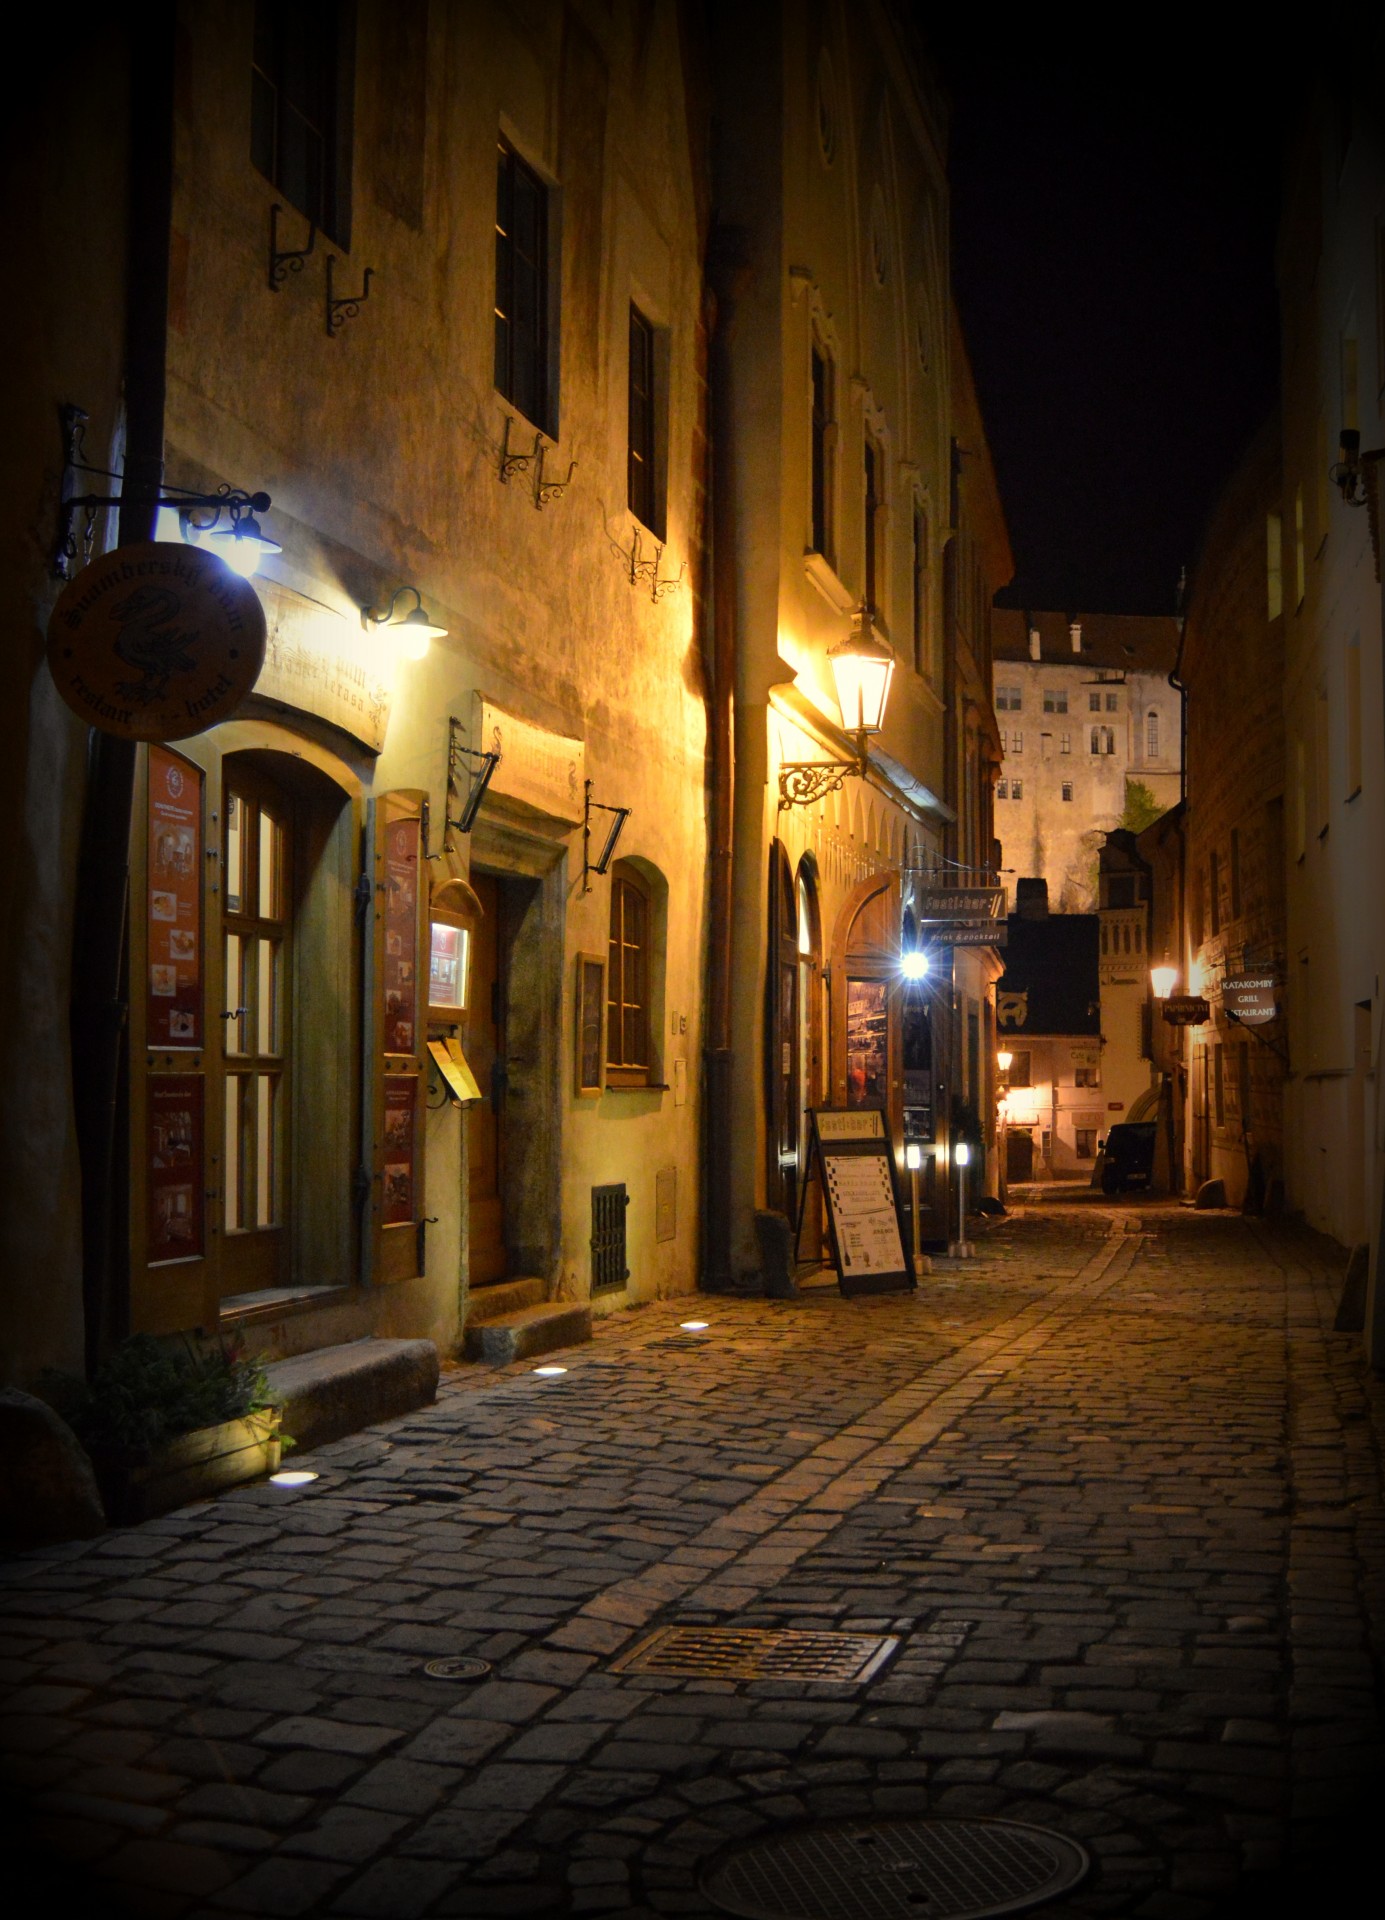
[
  {"x": 937, "y": 1869},
  {"x": 458, "y": 1666},
  {"x": 759, "y": 1653}
]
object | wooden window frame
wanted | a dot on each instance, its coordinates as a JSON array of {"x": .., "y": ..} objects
[
  {"x": 621, "y": 1071},
  {"x": 823, "y": 432},
  {"x": 643, "y": 492},
  {"x": 327, "y": 120},
  {"x": 522, "y": 344}
]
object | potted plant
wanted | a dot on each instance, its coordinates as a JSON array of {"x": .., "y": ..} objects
[{"x": 168, "y": 1421}]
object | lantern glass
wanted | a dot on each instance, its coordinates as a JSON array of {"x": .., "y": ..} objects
[
  {"x": 1163, "y": 980},
  {"x": 862, "y": 668}
]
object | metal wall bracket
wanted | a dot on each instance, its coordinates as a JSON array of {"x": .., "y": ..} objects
[
  {"x": 547, "y": 491},
  {"x": 69, "y": 547},
  {"x": 513, "y": 463},
  {"x": 603, "y": 860},
  {"x": 466, "y": 784},
  {"x": 802, "y": 783},
  {"x": 340, "y": 310},
  {"x": 643, "y": 572},
  {"x": 284, "y": 261}
]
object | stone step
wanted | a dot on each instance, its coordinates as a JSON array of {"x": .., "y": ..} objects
[
  {"x": 338, "y": 1390},
  {"x": 527, "y": 1331},
  {"x": 506, "y": 1296}
]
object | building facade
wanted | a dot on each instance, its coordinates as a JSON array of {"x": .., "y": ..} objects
[
  {"x": 600, "y": 397},
  {"x": 1090, "y": 729},
  {"x": 1331, "y": 260},
  {"x": 1048, "y": 1018}
]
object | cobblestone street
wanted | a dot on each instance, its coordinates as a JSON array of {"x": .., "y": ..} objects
[{"x": 1116, "y": 1486}]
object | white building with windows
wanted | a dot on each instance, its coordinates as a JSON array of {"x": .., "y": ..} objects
[{"x": 1088, "y": 717}]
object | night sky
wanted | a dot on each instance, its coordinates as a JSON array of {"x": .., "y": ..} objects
[{"x": 1113, "y": 254}]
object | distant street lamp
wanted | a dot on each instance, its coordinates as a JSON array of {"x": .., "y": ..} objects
[{"x": 1163, "y": 980}]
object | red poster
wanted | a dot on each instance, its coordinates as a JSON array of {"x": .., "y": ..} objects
[
  {"x": 174, "y": 909},
  {"x": 398, "y": 1196},
  {"x": 402, "y": 849},
  {"x": 175, "y": 1166}
]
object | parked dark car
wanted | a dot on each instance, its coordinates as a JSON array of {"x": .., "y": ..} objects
[{"x": 1128, "y": 1156}]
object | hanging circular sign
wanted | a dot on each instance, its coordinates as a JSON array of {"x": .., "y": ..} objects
[{"x": 156, "y": 641}]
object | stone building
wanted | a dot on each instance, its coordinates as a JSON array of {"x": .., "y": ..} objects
[
  {"x": 1048, "y": 1019},
  {"x": 1223, "y": 852},
  {"x": 432, "y": 278},
  {"x": 1087, "y": 719},
  {"x": 1332, "y": 289},
  {"x": 837, "y": 388},
  {"x": 603, "y": 391},
  {"x": 1123, "y": 905}
]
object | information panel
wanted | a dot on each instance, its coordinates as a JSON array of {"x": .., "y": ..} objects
[
  {"x": 856, "y": 1157},
  {"x": 174, "y": 1017}
]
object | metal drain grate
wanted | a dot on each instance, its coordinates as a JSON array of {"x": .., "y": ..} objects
[
  {"x": 458, "y": 1666},
  {"x": 925, "y": 1869},
  {"x": 759, "y": 1653}
]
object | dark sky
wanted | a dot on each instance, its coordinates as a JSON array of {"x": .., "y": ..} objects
[{"x": 1113, "y": 254}]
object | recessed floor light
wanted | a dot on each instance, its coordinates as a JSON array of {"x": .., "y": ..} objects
[
  {"x": 550, "y": 1370},
  {"x": 694, "y": 1326},
  {"x": 291, "y": 1477}
]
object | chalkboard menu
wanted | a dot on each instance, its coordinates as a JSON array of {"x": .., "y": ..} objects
[{"x": 856, "y": 1158}]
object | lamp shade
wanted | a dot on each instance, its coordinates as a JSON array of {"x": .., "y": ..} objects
[
  {"x": 862, "y": 667},
  {"x": 1005, "y": 1060},
  {"x": 1163, "y": 980}
]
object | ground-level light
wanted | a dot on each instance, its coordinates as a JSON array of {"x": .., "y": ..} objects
[
  {"x": 291, "y": 1477},
  {"x": 694, "y": 1326},
  {"x": 549, "y": 1371}
]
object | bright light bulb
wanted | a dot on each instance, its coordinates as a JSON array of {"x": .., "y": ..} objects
[
  {"x": 913, "y": 1155},
  {"x": 913, "y": 963},
  {"x": 291, "y": 1477},
  {"x": 962, "y": 1153},
  {"x": 1163, "y": 980},
  {"x": 242, "y": 557},
  {"x": 693, "y": 1326},
  {"x": 548, "y": 1371}
]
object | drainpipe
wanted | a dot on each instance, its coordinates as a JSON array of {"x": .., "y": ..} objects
[
  {"x": 100, "y": 986},
  {"x": 726, "y": 268}
]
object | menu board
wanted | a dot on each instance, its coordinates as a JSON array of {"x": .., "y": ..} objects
[
  {"x": 174, "y": 906},
  {"x": 862, "y": 1207},
  {"x": 402, "y": 849},
  {"x": 175, "y": 1166},
  {"x": 401, "y": 1146}
]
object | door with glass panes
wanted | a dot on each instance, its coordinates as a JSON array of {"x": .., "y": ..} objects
[{"x": 257, "y": 913}]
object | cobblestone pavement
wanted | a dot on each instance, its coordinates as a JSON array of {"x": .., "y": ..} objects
[{"x": 1116, "y": 1487}]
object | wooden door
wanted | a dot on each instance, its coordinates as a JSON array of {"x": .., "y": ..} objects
[
  {"x": 485, "y": 1050},
  {"x": 257, "y": 923},
  {"x": 782, "y": 1040}
]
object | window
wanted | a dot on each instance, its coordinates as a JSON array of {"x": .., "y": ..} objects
[
  {"x": 1017, "y": 741},
  {"x": 1065, "y": 742},
  {"x": 1094, "y": 703},
  {"x": 1002, "y": 791},
  {"x": 1151, "y": 735},
  {"x": 1274, "y": 566},
  {"x": 1017, "y": 789},
  {"x": 1086, "y": 1077},
  {"x": 521, "y": 287},
  {"x": 627, "y": 983},
  {"x": 1008, "y": 699},
  {"x": 873, "y": 481},
  {"x": 823, "y": 440},
  {"x": 642, "y": 490},
  {"x": 1067, "y": 789},
  {"x": 920, "y": 590},
  {"x": 1004, "y": 740},
  {"x": 1056, "y": 700},
  {"x": 302, "y": 81},
  {"x": 1086, "y": 1143},
  {"x": 1113, "y": 703}
]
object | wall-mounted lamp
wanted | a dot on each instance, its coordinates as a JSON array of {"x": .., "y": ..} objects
[
  {"x": 199, "y": 514},
  {"x": 1005, "y": 1060},
  {"x": 862, "y": 668},
  {"x": 1162, "y": 981},
  {"x": 414, "y": 631},
  {"x": 603, "y": 860}
]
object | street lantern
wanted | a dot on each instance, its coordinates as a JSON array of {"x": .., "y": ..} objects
[
  {"x": 1163, "y": 980},
  {"x": 862, "y": 668}
]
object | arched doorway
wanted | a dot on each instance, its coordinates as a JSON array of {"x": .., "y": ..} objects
[
  {"x": 811, "y": 1047},
  {"x": 783, "y": 1041}
]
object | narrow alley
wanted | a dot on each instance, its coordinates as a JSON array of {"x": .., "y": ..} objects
[{"x": 1113, "y": 1488}]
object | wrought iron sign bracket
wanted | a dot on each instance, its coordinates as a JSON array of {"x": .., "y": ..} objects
[
  {"x": 284, "y": 261},
  {"x": 547, "y": 491},
  {"x": 641, "y": 572},
  {"x": 802, "y": 783},
  {"x": 193, "y": 507},
  {"x": 513, "y": 463},
  {"x": 465, "y": 783},
  {"x": 619, "y": 816},
  {"x": 339, "y": 309}
]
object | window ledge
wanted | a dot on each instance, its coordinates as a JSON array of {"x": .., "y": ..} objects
[
  {"x": 820, "y": 571},
  {"x": 638, "y": 1086},
  {"x": 271, "y": 1302}
]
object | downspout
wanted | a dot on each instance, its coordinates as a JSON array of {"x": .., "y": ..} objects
[
  {"x": 1181, "y": 618},
  {"x": 100, "y": 987},
  {"x": 725, "y": 268}
]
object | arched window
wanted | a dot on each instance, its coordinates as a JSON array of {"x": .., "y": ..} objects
[
  {"x": 627, "y": 980},
  {"x": 1151, "y": 735}
]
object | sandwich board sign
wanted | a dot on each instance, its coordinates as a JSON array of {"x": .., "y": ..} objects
[{"x": 855, "y": 1157}]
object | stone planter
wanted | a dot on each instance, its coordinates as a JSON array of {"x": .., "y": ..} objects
[{"x": 141, "y": 1484}]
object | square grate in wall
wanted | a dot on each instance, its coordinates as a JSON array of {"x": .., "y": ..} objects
[
  {"x": 759, "y": 1653},
  {"x": 609, "y": 1269}
]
